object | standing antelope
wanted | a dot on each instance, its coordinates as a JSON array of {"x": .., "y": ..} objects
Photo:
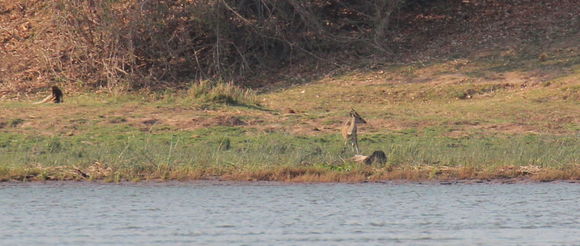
[{"x": 349, "y": 129}]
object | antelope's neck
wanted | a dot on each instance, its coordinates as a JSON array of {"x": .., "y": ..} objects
[{"x": 352, "y": 127}]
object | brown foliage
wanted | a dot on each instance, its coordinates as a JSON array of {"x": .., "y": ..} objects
[{"x": 135, "y": 44}]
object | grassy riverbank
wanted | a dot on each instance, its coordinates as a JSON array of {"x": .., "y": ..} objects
[
  {"x": 232, "y": 153},
  {"x": 432, "y": 125}
]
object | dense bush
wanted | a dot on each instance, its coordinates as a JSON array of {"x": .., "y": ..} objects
[{"x": 139, "y": 43}]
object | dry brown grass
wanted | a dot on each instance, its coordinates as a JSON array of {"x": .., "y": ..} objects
[
  {"x": 557, "y": 174},
  {"x": 99, "y": 172}
]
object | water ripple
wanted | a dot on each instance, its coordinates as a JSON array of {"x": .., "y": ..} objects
[{"x": 280, "y": 214}]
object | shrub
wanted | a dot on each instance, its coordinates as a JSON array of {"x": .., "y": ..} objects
[{"x": 222, "y": 92}]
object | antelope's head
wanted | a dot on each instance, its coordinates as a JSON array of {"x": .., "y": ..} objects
[{"x": 357, "y": 117}]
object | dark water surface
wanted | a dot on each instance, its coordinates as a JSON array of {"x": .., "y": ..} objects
[{"x": 282, "y": 214}]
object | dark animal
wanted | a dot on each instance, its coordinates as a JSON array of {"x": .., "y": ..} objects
[
  {"x": 378, "y": 157},
  {"x": 56, "y": 96}
]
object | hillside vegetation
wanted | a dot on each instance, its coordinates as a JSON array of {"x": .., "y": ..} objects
[
  {"x": 130, "y": 44},
  {"x": 258, "y": 90}
]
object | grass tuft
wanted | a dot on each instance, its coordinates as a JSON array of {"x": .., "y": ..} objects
[{"x": 222, "y": 93}]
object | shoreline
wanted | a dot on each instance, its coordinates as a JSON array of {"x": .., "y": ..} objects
[
  {"x": 507, "y": 181},
  {"x": 293, "y": 175}
]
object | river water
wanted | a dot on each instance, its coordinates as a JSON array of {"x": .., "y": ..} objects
[{"x": 210, "y": 213}]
